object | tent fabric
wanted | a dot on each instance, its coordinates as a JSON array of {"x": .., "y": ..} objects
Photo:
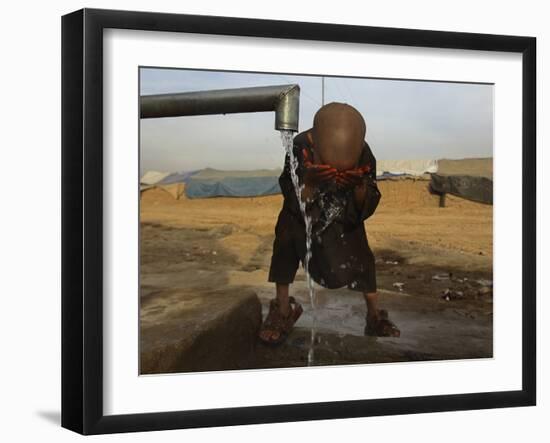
[
  {"x": 479, "y": 189},
  {"x": 210, "y": 173},
  {"x": 467, "y": 178},
  {"x": 387, "y": 175},
  {"x": 394, "y": 177},
  {"x": 218, "y": 183},
  {"x": 406, "y": 167},
  {"x": 177, "y": 177},
  {"x": 176, "y": 190},
  {"x": 232, "y": 187},
  {"x": 153, "y": 177}
]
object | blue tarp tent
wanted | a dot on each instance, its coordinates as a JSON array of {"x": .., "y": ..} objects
[
  {"x": 215, "y": 183},
  {"x": 177, "y": 177}
]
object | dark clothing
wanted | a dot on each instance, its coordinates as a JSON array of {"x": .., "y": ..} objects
[{"x": 341, "y": 255}]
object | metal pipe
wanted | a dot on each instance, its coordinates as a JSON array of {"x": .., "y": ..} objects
[{"x": 283, "y": 99}]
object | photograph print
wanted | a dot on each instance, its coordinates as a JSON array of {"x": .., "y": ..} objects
[{"x": 307, "y": 220}]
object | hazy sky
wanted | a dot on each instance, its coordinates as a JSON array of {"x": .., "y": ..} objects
[{"x": 405, "y": 120}]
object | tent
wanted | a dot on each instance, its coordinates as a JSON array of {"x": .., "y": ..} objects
[
  {"x": 217, "y": 183},
  {"x": 177, "y": 177},
  {"x": 173, "y": 183},
  {"x": 467, "y": 178},
  {"x": 479, "y": 189},
  {"x": 151, "y": 178},
  {"x": 470, "y": 178},
  {"x": 416, "y": 168}
]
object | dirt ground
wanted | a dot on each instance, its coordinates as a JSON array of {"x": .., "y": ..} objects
[{"x": 434, "y": 268}]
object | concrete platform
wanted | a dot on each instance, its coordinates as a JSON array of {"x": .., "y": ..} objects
[
  {"x": 430, "y": 330},
  {"x": 183, "y": 331}
]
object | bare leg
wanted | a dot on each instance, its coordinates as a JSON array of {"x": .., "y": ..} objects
[
  {"x": 371, "y": 299},
  {"x": 282, "y": 297},
  {"x": 284, "y": 307},
  {"x": 386, "y": 328}
]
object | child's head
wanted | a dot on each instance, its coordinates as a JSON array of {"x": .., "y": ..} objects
[{"x": 338, "y": 135}]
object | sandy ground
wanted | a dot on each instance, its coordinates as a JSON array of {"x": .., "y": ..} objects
[{"x": 202, "y": 244}]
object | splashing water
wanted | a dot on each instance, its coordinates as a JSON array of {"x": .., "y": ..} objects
[{"x": 288, "y": 144}]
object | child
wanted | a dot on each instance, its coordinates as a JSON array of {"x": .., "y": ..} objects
[{"x": 338, "y": 172}]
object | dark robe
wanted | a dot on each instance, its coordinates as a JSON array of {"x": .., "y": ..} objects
[{"x": 341, "y": 255}]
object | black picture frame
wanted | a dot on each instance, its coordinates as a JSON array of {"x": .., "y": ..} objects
[{"x": 82, "y": 218}]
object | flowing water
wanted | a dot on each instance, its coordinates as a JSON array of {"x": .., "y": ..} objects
[{"x": 288, "y": 144}]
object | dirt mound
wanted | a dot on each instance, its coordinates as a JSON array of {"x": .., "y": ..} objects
[
  {"x": 410, "y": 193},
  {"x": 478, "y": 167}
]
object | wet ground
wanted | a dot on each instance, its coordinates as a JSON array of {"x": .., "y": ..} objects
[
  {"x": 444, "y": 312},
  {"x": 430, "y": 330}
]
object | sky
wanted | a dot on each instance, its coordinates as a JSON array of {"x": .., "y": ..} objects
[{"x": 405, "y": 120}]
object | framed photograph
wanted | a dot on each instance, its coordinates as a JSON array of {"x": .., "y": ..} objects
[{"x": 269, "y": 221}]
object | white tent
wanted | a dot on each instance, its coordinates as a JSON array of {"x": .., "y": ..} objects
[
  {"x": 406, "y": 167},
  {"x": 151, "y": 178}
]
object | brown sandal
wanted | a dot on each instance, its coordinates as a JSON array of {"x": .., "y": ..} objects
[
  {"x": 382, "y": 327},
  {"x": 276, "y": 322}
]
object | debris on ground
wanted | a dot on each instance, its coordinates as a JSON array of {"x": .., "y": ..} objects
[
  {"x": 485, "y": 291},
  {"x": 399, "y": 286},
  {"x": 450, "y": 294},
  {"x": 485, "y": 282}
]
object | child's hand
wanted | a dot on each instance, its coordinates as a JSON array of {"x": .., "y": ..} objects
[
  {"x": 349, "y": 179},
  {"x": 317, "y": 174}
]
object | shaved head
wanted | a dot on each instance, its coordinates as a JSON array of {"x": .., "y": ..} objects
[{"x": 338, "y": 135}]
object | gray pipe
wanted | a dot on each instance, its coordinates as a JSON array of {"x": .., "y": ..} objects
[{"x": 283, "y": 99}]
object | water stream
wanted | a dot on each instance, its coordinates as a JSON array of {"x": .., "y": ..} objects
[{"x": 288, "y": 144}]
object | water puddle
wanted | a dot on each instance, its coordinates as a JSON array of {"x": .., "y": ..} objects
[{"x": 287, "y": 140}]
